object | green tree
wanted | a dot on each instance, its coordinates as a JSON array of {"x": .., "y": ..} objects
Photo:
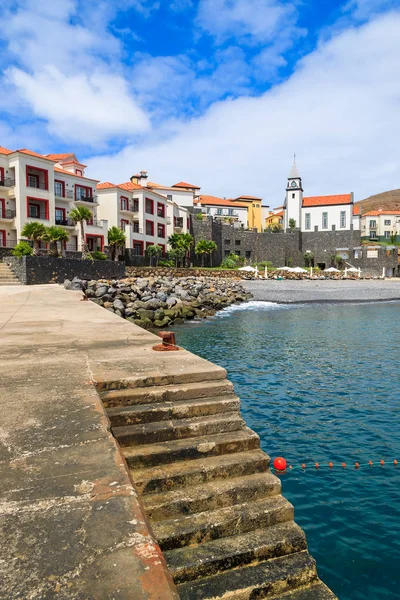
[
  {"x": 181, "y": 241},
  {"x": 309, "y": 259},
  {"x": 53, "y": 235},
  {"x": 81, "y": 215},
  {"x": 292, "y": 224},
  {"x": 22, "y": 249},
  {"x": 34, "y": 231},
  {"x": 116, "y": 240},
  {"x": 154, "y": 251},
  {"x": 205, "y": 247},
  {"x": 176, "y": 254}
]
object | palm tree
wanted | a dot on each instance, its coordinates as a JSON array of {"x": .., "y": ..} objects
[
  {"x": 55, "y": 234},
  {"x": 201, "y": 249},
  {"x": 211, "y": 246},
  {"x": 181, "y": 241},
  {"x": 154, "y": 250},
  {"x": 116, "y": 239},
  {"x": 82, "y": 214},
  {"x": 34, "y": 231}
]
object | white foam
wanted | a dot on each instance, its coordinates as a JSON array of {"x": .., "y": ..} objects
[{"x": 253, "y": 305}]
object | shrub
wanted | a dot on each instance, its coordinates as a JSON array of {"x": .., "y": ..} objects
[
  {"x": 165, "y": 262},
  {"x": 22, "y": 249},
  {"x": 97, "y": 255},
  {"x": 233, "y": 261},
  {"x": 199, "y": 216}
]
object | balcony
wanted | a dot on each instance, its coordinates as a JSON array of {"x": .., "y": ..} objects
[
  {"x": 7, "y": 182},
  {"x": 67, "y": 194},
  {"x": 65, "y": 222},
  {"x": 7, "y": 214},
  {"x": 7, "y": 243},
  {"x": 96, "y": 223},
  {"x": 86, "y": 199},
  {"x": 34, "y": 183},
  {"x": 130, "y": 210}
]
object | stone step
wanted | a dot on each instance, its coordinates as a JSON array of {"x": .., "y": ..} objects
[
  {"x": 12, "y": 282},
  {"x": 7, "y": 276},
  {"x": 148, "y": 413},
  {"x": 161, "y": 453},
  {"x": 210, "y": 558},
  {"x": 184, "y": 373},
  {"x": 228, "y": 521},
  {"x": 195, "y": 472},
  {"x": 211, "y": 496},
  {"x": 167, "y": 393},
  {"x": 262, "y": 580},
  {"x": 149, "y": 433},
  {"x": 317, "y": 591}
]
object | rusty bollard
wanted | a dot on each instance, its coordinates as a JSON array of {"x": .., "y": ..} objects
[{"x": 168, "y": 342}]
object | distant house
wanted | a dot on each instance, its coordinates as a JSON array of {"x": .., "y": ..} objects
[
  {"x": 380, "y": 225},
  {"x": 228, "y": 211}
]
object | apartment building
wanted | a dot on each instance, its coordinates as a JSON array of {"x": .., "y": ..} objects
[
  {"x": 146, "y": 216},
  {"x": 224, "y": 210},
  {"x": 380, "y": 225},
  {"x": 35, "y": 187}
]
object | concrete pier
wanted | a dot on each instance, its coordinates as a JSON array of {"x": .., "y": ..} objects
[{"x": 73, "y": 522}]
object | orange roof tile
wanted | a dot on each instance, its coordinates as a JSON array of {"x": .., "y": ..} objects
[
  {"x": 31, "y": 153},
  {"x": 248, "y": 198},
  {"x": 5, "y": 150},
  {"x": 376, "y": 213},
  {"x": 106, "y": 185},
  {"x": 279, "y": 214},
  {"x": 215, "y": 201},
  {"x": 356, "y": 210},
  {"x": 59, "y": 156},
  {"x": 59, "y": 170},
  {"x": 327, "y": 200},
  {"x": 183, "y": 184},
  {"x": 128, "y": 185}
]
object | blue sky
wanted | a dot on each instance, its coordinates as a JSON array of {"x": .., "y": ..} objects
[{"x": 216, "y": 92}]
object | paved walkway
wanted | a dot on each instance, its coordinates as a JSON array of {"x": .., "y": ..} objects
[
  {"x": 287, "y": 291},
  {"x": 72, "y": 525}
]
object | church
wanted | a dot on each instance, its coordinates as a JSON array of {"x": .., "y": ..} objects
[{"x": 318, "y": 213}]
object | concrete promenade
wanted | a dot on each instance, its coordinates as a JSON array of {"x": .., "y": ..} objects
[
  {"x": 289, "y": 291},
  {"x": 72, "y": 525}
]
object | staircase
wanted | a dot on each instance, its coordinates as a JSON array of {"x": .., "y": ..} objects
[
  {"x": 215, "y": 508},
  {"x": 7, "y": 276}
]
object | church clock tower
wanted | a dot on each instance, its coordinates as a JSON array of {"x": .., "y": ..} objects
[{"x": 294, "y": 197}]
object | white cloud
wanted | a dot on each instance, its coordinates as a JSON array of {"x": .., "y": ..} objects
[
  {"x": 67, "y": 74},
  {"x": 260, "y": 21},
  {"x": 362, "y": 9},
  {"x": 340, "y": 112}
]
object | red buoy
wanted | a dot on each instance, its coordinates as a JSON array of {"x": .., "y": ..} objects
[
  {"x": 280, "y": 463},
  {"x": 303, "y": 466},
  {"x": 316, "y": 465},
  {"x": 382, "y": 462},
  {"x": 370, "y": 463},
  {"x": 356, "y": 465},
  {"x": 330, "y": 465},
  {"x": 344, "y": 465},
  {"x": 395, "y": 462}
]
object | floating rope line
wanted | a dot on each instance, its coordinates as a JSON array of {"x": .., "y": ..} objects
[{"x": 280, "y": 465}]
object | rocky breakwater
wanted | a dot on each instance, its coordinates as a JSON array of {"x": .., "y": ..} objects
[{"x": 157, "y": 302}]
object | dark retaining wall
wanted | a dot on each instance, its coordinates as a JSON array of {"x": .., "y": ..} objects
[
  {"x": 170, "y": 272},
  {"x": 32, "y": 270}
]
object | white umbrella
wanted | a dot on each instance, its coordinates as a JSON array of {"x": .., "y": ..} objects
[
  {"x": 299, "y": 270},
  {"x": 284, "y": 269},
  {"x": 331, "y": 270},
  {"x": 248, "y": 268},
  {"x": 352, "y": 270}
]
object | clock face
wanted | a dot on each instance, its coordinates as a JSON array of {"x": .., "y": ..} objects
[{"x": 293, "y": 184}]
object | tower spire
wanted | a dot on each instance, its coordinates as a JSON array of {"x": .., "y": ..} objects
[{"x": 294, "y": 173}]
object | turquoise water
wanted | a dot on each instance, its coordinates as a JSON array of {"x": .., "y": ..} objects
[{"x": 320, "y": 383}]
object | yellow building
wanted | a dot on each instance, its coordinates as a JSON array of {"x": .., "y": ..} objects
[
  {"x": 254, "y": 210},
  {"x": 274, "y": 218}
]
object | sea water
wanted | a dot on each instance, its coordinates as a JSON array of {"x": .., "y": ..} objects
[{"x": 321, "y": 383}]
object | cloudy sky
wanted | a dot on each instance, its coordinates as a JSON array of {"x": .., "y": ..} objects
[{"x": 219, "y": 93}]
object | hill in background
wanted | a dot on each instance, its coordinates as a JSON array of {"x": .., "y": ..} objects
[{"x": 385, "y": 201}]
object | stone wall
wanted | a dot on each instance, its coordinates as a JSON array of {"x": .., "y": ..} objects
[
  {"x": 387, "y": 258},
  {"x": 325, "y": 243},
  {"x": 32, "y": 270},
  {"x": 180, "y": 272}
]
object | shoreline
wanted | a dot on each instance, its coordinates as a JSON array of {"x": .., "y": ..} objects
[{"x": 323, "y": 292}]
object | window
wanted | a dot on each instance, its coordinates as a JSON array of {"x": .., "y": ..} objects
[
  {"x": 237, "y": 242},
  {"x": 149, "y": 206},
  {"x": 219, "y": 211},
  {"x": 33, "y": 181},
  {"x": 34, "y": 211},
  {"x": 357, "y": 253},
  {"x": 257, "y": 206},
  {"x": 248, "y": 253},
  {"x": 387, "y": 222},
  {"x": 161, "y": 230},
  {"x": 169, "y": 197},
  {"x": 308, "y": 220},
  {"x": 124, "y": 203},
  {"x": 293, "y": 195},
  {"x": 227, "y": 242},
  {"x": 82, "y": 192},
  {"x": 160, "y": 210},
  {"x": 150, "y": 228},
  {"x": 324, "y": 220},
  {"x": 237, "y": 252},
  {"x": 136, "y": 205},
  {"x": 227, "y": 252},
  {"x": 138, "y": 248},
  {"x": 79, "y": 172},
  {"x": 123, "y": 222},
  {"x": 60, "y": 216},
  {"x": 254, "y": 205},
  {"x": 59, "y": 189},
  {"x": 342, "y": 218},
  {"x": 372, "y": 253},
  {"x": 136, "y": 228},
  {"x": 230, "y": 212},
  {"x": 387, "y": 234},
  {"x": 179, "y": 221},
  {"x": 372, "y": 224}
]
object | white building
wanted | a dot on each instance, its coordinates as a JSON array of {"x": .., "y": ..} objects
[
  {"x": 182, "y": 193},
  {"x": 318, "y": 213},
  {"x": 228, "y": 211},
  {"x": 380, "y": 225},
  {"x": 147, "y": 216},
  {"x": 34, "y": 187}
]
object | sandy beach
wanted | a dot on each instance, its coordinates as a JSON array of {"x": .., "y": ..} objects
[{"x": 287, "y": 291}]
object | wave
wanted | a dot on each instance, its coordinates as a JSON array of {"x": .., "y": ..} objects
[{"x": 252, "y": 305}]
